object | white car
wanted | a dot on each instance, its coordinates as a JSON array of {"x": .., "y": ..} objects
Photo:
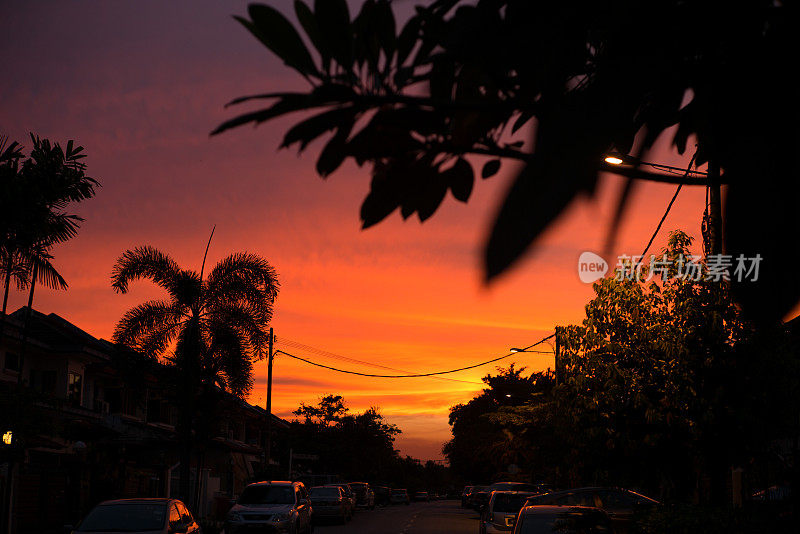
[{"x": 271, "y": 507}]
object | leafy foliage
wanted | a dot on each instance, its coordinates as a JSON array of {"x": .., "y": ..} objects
[
  {"x": 359, "y": 446},
  {"x": 211, "y": 329},
  {"x": 35, "y": 193},
  {"x": 463, "y": 78},
  {"x": 662, "y": 386}
]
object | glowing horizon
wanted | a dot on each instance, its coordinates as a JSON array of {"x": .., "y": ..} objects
[{"x": 141, "y": 86}]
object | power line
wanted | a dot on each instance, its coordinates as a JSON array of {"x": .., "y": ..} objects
[
  {"x": 669, "y": 207},
  {"x": 419, "y": 375},
  {"x": 322, "y": 352}
]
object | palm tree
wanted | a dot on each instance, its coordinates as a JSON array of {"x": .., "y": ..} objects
[
  {"x": 34, "y": 195},
  {"x": 210, "y": 329}
]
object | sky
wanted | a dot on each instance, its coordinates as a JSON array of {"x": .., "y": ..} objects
[{"x": 141, "y": 84}]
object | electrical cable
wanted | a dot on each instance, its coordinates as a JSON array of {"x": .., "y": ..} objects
[
  {"x": 664, "y": 217},
  {"x": 419, "y": 375},
  {"x": 296, "y": 344}
]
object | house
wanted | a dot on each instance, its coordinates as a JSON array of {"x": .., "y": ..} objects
[{"x": 85, "y": 420}]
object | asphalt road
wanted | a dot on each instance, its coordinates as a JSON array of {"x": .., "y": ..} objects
[{"x": 438, "y": 517}]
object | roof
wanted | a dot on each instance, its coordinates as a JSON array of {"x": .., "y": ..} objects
[
  {"x": 555, "y": 509},
  {"x": 56, "y": 333},
  {"x": 148, "y": 500}
]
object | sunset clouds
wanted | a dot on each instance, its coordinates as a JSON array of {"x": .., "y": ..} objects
[{"x": 140, "y": 86}]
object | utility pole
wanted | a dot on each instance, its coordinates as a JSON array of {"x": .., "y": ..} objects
[
  {"x": 714, "y": 208},
  {"x": 268, "y": 440}
]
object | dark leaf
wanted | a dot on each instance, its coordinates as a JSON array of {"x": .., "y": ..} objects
[
  {"x": 334, "y": 152},
  {"x": 524, "y": 117},
  {"x": 430, "y": 196},
  {"x": 285, "y": 105},
  {"x": 461, "y": 179},
  {"x": 442, "y": 78},
  {"x": 534, "y": 201},
  {"x": 309, "y": 24},
  {"x": 490, "y": 168},
  {"x": 386, "y": 29},
  {"x": 407, "y": 39},
  {"x": 309, "y": 129},
  {"x": 384, "y": 196},
  {"x": 278, "y": 34},
  {"x": 336, "y": 33}
]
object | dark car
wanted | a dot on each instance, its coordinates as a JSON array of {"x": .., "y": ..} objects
[
  {"x": 620, "y": 504},
  {"x": 330, "y": 502},
  {"x": 562, "y": 520},
  {"x": 422, "y": 496},
  {"x": 365, "y": 497},
  {"x": 465, "y": 496},
  {"x": 348, "y": 492},
  {"x": 399, "y": 496},
  {"x": 382, "y": 495},
  {"x": 481, "y": 499},
  {"x": 502, "y": 511},
  {"x": 162, "y": 516},
  {"x": 472, "y": 494}
]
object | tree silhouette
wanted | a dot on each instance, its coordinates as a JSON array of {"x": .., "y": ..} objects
[
  {"x": 210, "y": 329},
  {"x": 462, "y": 79},
  {"x": 35, "y": 193}
]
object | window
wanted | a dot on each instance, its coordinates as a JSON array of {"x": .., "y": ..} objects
[
  {"x": 12, "y": 362},
  {"x": 48, "y": 385},
  {"x": 74, "y": 388}
]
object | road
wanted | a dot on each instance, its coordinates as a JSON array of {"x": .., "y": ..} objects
[{"x": 438, "y": 517}]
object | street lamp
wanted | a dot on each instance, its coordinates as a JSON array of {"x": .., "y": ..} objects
[
  {"x": 712, "y": 179},
  {"x": 618, "y": 159}
]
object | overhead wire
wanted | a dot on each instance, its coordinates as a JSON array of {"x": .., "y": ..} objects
[
  {"x": 664, "y": 217},
  {"x": 418, "y": 375},
  {"x": 308, "y": 348}
]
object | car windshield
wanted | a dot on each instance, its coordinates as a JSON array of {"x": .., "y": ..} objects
[
  {"x": 128, "y": 517},
  {"x": 325, "y": 493},
  {"x": 267, "y": 495},
  {"x": 507, "y": 503}
]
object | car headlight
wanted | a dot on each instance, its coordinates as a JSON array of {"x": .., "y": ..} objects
[
  {"x": 282, "y": 517},
  {"x": 234, "y": 517}
]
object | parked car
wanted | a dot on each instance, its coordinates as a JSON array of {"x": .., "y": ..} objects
[
  {"x": 365, "y": 497},
  {"x": 348, "y": 492},
  {"x": 472, "y": 493},
  {"x": 154, "y": 516},
  {"x": 382, "y": 495},
  {"x": 481, "y": 499},
  {"x": 502, "y": 510},
  {"x": 620, "y": 504},
  {"x": 399, "y": 496},
  {"x": 274, "y": 506},
  {"x": 422, "y": 496},
  {"x": 562, "y": 519},
  {"x": 330, "y": 502},
  {"x": 465, "y": 495}
]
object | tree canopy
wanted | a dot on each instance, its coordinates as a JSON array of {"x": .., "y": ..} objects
[
  {"x": 663, "y": 386},
  {"x": 553, "y": 86}
]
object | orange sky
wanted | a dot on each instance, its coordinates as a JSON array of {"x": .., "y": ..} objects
[{"x": 141, "y": 85}]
